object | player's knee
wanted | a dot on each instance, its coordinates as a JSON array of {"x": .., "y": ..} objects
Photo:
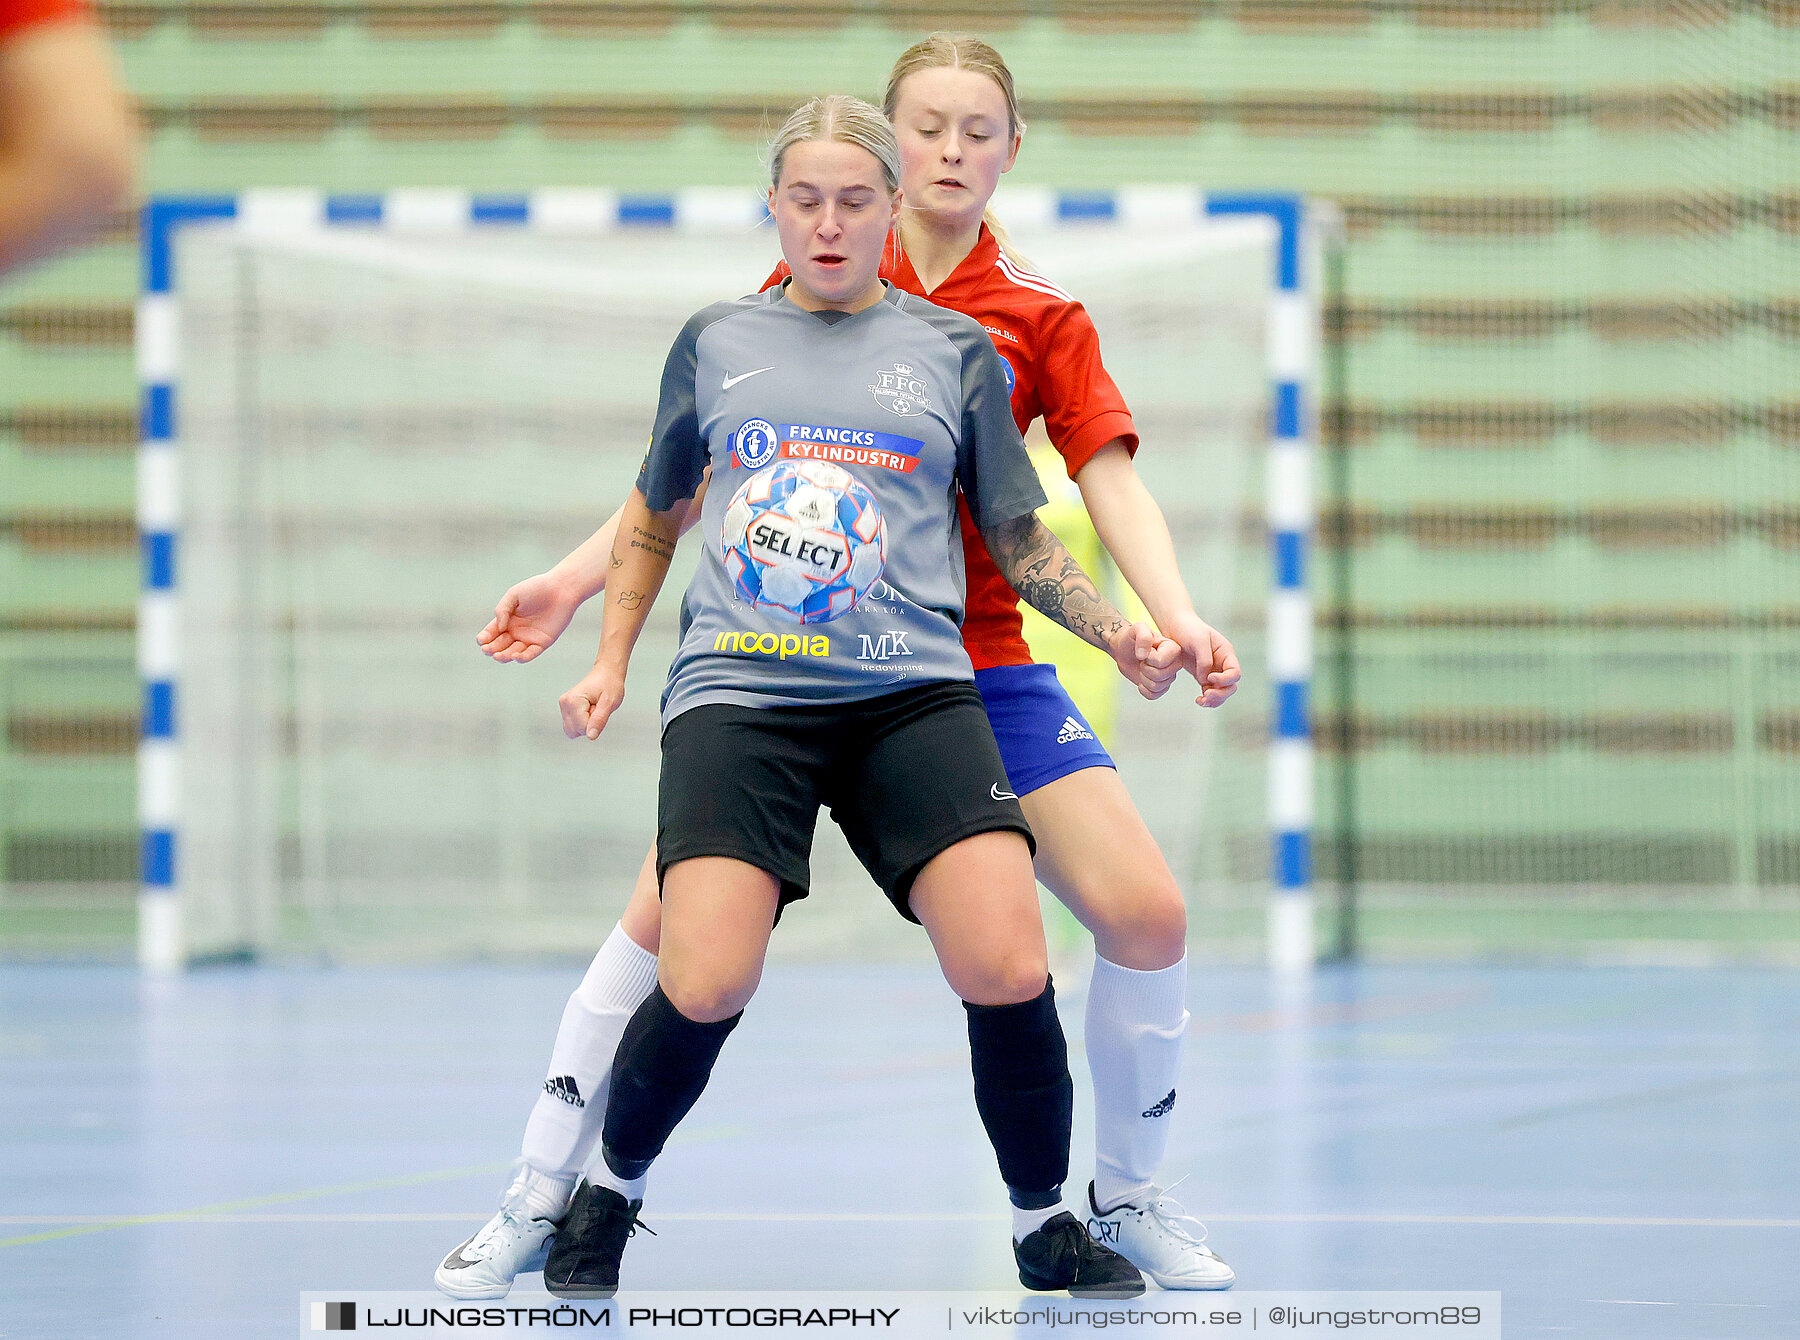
[
  {"x": 1005, "y": 979},
  {"x": 708, "y": 1000},
  {"x": 1146, "y": 929},
  {"x": 1163, "y": 920}
]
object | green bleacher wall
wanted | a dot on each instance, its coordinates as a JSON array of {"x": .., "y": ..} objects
[{"x": 1559, "y": 681}]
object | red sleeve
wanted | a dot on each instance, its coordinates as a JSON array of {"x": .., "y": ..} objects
[
  {"x": 18, "y": 15},
  {"x": 1083, "y": 410},
  {"x": 779, "y": 273}
]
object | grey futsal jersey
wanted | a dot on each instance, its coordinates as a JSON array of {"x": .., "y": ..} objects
[{"x": 837, "y": 443}]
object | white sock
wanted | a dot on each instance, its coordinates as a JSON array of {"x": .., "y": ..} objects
[
  {"x": 546, "y": 1197},
  {"x": 1027, "y": 1222},
  {"x": 1135, "y": 1024},
  {"x": 565, "y": 1123},
  {"x": 630, "y": 1188}
]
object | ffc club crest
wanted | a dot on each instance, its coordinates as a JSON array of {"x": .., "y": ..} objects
[{"x": 901, "y": 391}]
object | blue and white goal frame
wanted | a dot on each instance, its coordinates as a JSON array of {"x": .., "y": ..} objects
[{"x": 1293, "y": 367}]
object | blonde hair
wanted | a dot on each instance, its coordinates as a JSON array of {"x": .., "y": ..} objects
[
  {"x": 961, "y": 51},
  {"x": 838, "y": 116}
]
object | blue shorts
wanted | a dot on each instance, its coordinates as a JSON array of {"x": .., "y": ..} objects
[{"x": 1041, "y": 733}]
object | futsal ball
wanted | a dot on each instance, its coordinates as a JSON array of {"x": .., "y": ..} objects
[{"x": 804, "y": 541}]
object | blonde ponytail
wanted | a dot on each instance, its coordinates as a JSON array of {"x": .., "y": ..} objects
[{"x": 1004, "y": 240}]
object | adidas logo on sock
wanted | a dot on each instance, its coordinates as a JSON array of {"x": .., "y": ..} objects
[
  {"x": 1071, "y": 731},
  {"x": 565, "y": 1088},
  {"x": 1163, "y": 1108}
]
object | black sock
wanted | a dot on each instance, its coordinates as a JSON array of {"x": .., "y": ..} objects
[
  {"x": 663, "y": 1063},
  {"x": 1024, "y": 1094}
]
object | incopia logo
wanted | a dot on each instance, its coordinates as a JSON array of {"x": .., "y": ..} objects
[
  {"x": 781, "y": 645},
  {"x": 334, "y": 1316}
]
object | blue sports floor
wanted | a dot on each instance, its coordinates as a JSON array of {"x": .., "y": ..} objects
[{"x": 1616, "y": 1150}]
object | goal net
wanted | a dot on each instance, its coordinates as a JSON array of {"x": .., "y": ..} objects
[{"x": 380, "y": 431}]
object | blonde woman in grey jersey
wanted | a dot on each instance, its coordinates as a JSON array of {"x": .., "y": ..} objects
[{"x": 831, "y": 515}]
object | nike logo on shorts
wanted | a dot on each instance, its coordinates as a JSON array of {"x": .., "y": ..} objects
[
  {"x": 998, "y": 794},
  {"x": 731, "y": 381}
]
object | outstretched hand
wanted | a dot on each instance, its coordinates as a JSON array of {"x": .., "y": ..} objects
[
  {"x": 1209, "y": 657},
  {"x": 1146, "y": 658},
  {"x": 528, "y": 619}
]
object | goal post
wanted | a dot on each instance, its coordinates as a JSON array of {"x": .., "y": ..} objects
[{"x": 365, "y": 416}]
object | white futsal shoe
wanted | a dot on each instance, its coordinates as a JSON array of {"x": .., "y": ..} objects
[
  {"x": 514, "y": 1241},
  {"x": 1161, "y": 1239}
]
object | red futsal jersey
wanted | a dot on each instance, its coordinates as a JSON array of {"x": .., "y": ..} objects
[
  {"x": 18, "y": 15},
  {"x": 1052, "y": 356}
]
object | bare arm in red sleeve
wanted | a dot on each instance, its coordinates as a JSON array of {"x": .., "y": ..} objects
[
  {"x": 68, "y": 139},
  {"x": 1087, "y": 419}
]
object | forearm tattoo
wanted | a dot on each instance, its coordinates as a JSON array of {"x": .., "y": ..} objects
[
  {"x": 661, "y": 550},
  {"x": 653, "y": 543},
  {"x": 1049, "y": 580}
]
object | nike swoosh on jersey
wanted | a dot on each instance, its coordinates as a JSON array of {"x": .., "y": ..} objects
[
  {"x": 731, "y": 381},
  {"x": 998, "y": 794}
]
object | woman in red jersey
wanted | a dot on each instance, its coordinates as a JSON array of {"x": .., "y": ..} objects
[
  {"x": 952, "y": 103},
  {"x": 67, "y": 142}
]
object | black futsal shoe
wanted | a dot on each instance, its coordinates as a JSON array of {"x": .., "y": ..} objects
[
  {"x": 584, "y": 1255},
  {"x": 1061, "y": 1255}
]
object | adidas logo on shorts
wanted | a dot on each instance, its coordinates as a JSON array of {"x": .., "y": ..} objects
[
  {"x": 565, "y": 1088},
  {"x": 1072, "y": 730}
]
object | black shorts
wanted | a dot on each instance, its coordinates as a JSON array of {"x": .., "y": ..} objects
[{"x": 907, "y": 775}]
